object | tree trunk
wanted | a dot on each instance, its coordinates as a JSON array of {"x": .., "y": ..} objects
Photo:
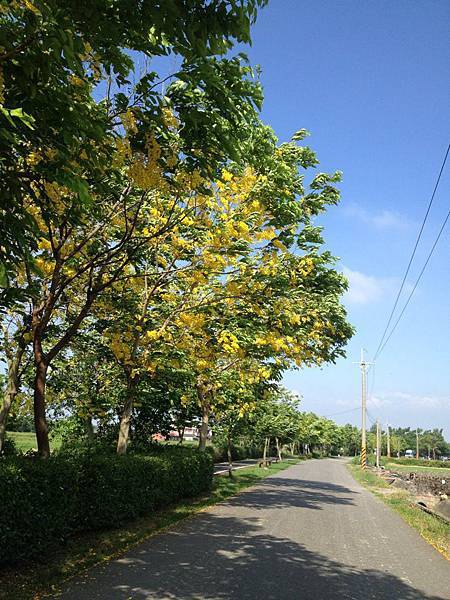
[
  {"x": 40, "y": 422},
  {"x": 181, "y": 434},
  {"x": 89, "y": 429},
  {"x": 8, "y": 399},
  {"x": 125, "y": 418},
  {"x": 11, "y": 391},
  {"x": 278, "y": 448},
  {"x": 266, "y": 445},
  {"x": 204, "y": 427},
  {"x": 230, "y": 457}
]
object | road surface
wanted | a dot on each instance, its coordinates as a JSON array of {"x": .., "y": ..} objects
[
  {"x": 223, "y": 467},
  {"x": 307, "y": 533}
]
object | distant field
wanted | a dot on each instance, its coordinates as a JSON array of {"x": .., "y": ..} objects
[
  {"x": 418, "y": 469},
  {"x": 26, "y": 440}
]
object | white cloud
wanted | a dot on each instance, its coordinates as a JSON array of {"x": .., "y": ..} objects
[
  {"x": 367, "y": 289},
  {"x": 377, "y": 401},
  {"x": 386, "y": 219},
  {"x": 405, "y": 400},
  {"x": 363, "y": 289}
]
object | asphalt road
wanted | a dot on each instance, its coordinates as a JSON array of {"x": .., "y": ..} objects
[
  {"x": 221, "y": 468},
  {"x": 307, "y": 533}
]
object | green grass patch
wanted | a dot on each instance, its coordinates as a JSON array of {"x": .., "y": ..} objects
[
  {"x": 36, "y": 580},
  {"x": 367, "y": 478},
  {"x": 418, "y": 469},
  {"x": 432, "y": 529},
  {"x": 26, "y": 440},
  {"x": 418, "y": 462}
]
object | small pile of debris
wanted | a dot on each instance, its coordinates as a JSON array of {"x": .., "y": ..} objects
[{"x": 431, "y": 491}]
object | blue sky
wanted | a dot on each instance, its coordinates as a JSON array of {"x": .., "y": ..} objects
[{"x": 369, "y": 80}]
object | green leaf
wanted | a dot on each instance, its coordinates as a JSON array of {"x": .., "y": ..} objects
[
  {"x": 300, "y": 135},
  {"x": 24, "y": 117},
  {"x": 3, "y": 275}
]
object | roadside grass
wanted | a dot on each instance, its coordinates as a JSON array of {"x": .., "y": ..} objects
[
  {"x": 418, "y": 469},
  {"x": 432, "y": 529},
  {"x": 36, "y": 580}
]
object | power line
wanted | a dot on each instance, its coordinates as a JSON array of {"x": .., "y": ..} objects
[
  {"x": 417, "y": 281},
  {"x": 370, "y": 418},
  {"x": 342, "y": 412},
  {"x": 372, "y": 383},
  {"x": 413, "y": 254}
]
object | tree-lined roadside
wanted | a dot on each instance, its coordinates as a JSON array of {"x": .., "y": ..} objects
[
  {"x": 160, "y": 259},
  {"x": 33, "y": 580}
]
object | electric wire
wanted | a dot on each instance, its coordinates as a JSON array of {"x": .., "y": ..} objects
[
  {"x": 372, "y": 383},
  {"x": 430, "y": 254},
  {"x": 373, "y": 421},
  {"x": 343, "y": 412},
  {"x": 380, "y": 345}
]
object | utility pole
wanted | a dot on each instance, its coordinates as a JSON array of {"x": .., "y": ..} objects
[
  {"x": 388, "y": 441},
  {"x": 363, "y": 366},
  {"x": 417, "y": 443},
  {"x": 378, "y": 444}
]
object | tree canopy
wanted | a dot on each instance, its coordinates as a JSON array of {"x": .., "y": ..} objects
[{"x": 161, "y": 259}]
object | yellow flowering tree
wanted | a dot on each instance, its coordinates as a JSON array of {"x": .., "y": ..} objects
[
  {"x": 54, "y": 125},
  {"x": 238, "y": 284}
]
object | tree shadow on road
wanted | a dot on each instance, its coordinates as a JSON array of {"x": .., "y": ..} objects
[
  {"x": 280, "y": 492},
  {"x": 222, "y": 557}
]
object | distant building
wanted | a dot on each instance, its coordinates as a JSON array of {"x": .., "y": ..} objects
[{"x": 190, "y": 434}]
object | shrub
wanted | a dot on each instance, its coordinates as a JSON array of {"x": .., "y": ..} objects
[
  {"x": 238, "y": 452},
  {"x": 44, "y": 502},
  {"x": 9, "y": 448},
  {"x": 38, "y": 501}
]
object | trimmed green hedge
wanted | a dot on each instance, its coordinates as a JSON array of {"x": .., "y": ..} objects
[
  {"x": 220, "y": 454},
  {"x": 43, "y": 502}
]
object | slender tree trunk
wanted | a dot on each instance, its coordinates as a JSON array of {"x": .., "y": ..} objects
[
  {"x": 266, "y": 446},
  {"x": 278, "y": 448},
  {"x": 89, "y": 428},
  {"x": 204, "y": 427},
  {"x": 180, "y": 434},
  {"x": 40, "y": 421},
  {"x": 230, "y": 457},
  {"x": 125, "y": 418},
  {"x": 8, "y": 399},
  {"x": 11, "y": 391}
]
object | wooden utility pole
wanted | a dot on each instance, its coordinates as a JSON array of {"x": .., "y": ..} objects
[
  {"x": 388, "y": 441},
  {"x": 417, "y": 443},
  {"x": 378, "y": 444}
]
